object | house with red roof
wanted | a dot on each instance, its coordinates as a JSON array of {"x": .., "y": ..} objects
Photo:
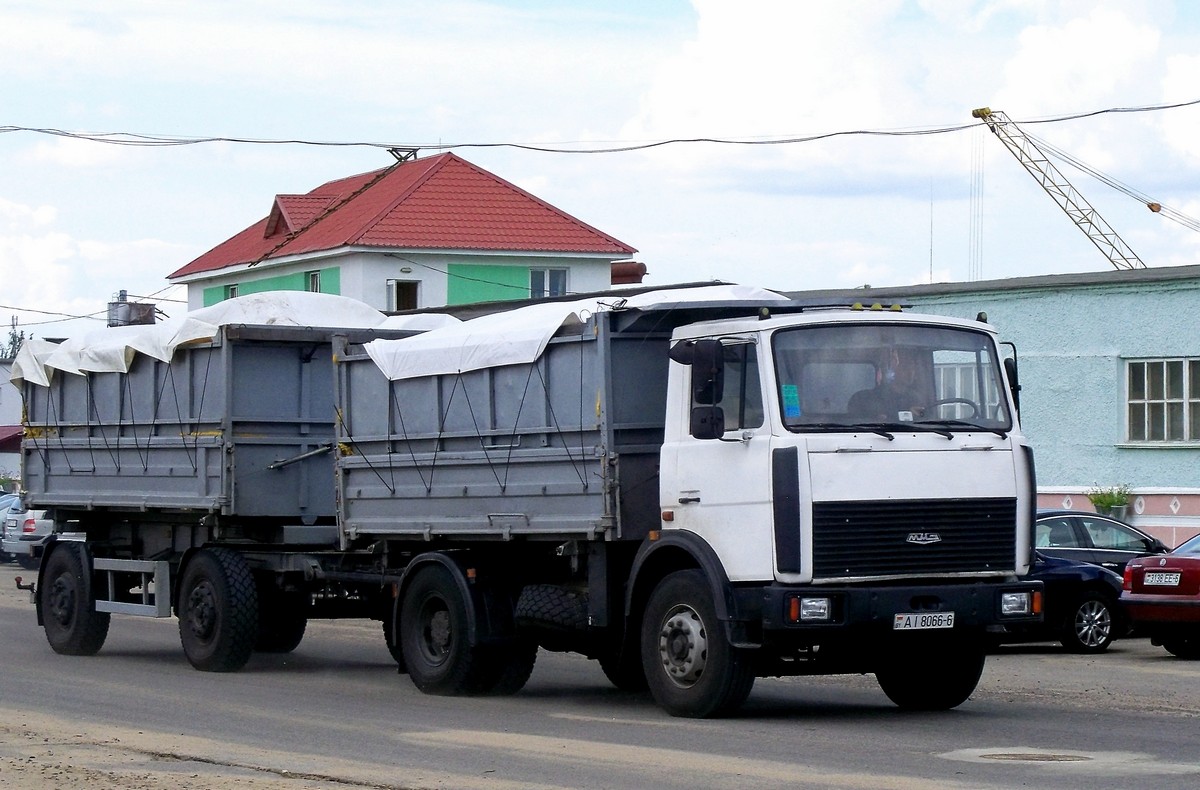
[{"x": 423, "y": 232}]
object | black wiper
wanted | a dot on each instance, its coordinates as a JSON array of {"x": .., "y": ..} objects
[
  {"x": 1003, "y": 434},
  {"x": 842, "y": 427}
]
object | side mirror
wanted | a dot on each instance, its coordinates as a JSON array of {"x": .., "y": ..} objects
[
  {"x": 708, "y": 422},
  {"x": 708, "y": 371},
  {"x": 1014, "y": 381}
]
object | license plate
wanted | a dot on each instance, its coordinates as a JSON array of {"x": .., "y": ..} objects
[
  {"x": 1162, "y": 578},
  {"x": 923, "y": 621}
]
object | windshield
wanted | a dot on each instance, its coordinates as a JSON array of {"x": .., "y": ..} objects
[
  {"x": 1191, "y": 546},
  {"x": 852, "y": 376}
]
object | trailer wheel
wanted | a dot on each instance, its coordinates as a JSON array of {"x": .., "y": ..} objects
[
  {"x": 937, "y": 676},
  {"x": 1092, "y": 625},
  {"x": 281, "y": 622},
  {"x": 434, "y": 636},
  {"x": 73, "y": 626},
  {"x": 218, "y": 611},
  {"x": 689, "y": 664}
]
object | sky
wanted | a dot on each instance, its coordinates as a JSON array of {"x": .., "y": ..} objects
[{"x": 82, "y": 220}]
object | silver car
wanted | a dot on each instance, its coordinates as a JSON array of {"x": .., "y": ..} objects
[
  {"x": 7, "y": 503},
  {"x": 25, "y": 532}
]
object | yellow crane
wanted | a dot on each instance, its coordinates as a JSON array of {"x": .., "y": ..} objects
[{"x": 1081, "y": 212}]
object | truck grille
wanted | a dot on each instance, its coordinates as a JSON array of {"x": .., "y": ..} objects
[{"x": 913, "y": 537}]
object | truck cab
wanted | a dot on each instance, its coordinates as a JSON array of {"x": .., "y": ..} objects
[{"x": 861, "y": 477}]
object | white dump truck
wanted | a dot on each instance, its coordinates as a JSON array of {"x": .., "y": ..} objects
[{"x": 695, "y": 487}]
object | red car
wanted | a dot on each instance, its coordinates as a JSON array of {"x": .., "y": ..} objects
[{"x": 1161, "y": 595}]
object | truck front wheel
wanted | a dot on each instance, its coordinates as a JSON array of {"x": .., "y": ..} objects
[
  {"x": 692, "y": 669},
  {"x": 939, "y": 675},
  {"x": 218, "y": 611},
  {"x": 73, "y": 626}
]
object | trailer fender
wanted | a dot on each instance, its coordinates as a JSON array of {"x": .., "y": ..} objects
[
  {"x": 679, "y": 550},
  {"x": 486, "y": 618}
]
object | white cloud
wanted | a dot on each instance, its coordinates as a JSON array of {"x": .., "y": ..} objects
[
  {"x": 14, "y": 215},
  {"x": 71, "y": 152},
  {"x": 49, "y": 274}
]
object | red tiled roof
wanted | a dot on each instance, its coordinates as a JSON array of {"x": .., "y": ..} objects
[
  {"x": 440, "y": 202},
  {"x": 10, "y": 438}
]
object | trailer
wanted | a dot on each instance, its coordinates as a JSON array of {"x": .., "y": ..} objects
[{"x": 680, "y": 485}]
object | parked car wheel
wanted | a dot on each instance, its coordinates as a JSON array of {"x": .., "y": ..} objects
[
  {"x": 1092, "y": 628},
  {"x": 1184, "y": 646}
]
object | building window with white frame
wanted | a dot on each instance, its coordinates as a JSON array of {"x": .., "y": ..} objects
[
  {"x": 314, "y": 281},
  {"x": 231, "y": 291},
  {"x": 547, "y": 282},
  {"x": 402, "y": 295},
  {"x": 1163, "y": 400}
]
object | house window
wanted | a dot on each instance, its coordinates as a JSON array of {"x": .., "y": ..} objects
[
  {"x": 231, "y": 291},
  {"x": 401, "y": 295},
  {"x": 314, "y": 281},
  {"x": 547, "y": 282},
  {"x": 1163, "y": 400}
]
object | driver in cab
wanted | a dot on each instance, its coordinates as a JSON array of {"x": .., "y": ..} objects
[{"x": 897, "y": 395}]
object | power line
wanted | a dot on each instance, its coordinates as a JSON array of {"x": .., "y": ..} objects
[{"x": 151, "y": 140}]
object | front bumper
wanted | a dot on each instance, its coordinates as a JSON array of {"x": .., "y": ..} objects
[{"x": 975, "y": 605}]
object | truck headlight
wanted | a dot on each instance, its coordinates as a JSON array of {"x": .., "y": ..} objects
[
  {"x": 808, "y": 610},
  {"x": 1015, "y": 603}
]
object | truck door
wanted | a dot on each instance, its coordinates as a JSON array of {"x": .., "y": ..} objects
[{"x": 718, "y": 483}]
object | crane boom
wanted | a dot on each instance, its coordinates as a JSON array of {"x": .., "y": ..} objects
[{"x": 1058, "y": 187}]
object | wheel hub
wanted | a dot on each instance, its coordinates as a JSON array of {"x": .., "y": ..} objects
[
  {"x": 62, "y": 600},
  {"x": 683, "y": 646},
  {"x": 1092, "y": 624},
  {"x": 436, "y": 635},
  {"x": 202, "y": 610}
]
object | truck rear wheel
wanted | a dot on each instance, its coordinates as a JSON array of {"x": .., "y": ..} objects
[
  {"x": 623, "y": 668},
  {"x": 73, "y": 626},
  {"x": 939, "y": 675},
  {"x": 393, "y": 646},
  {"x": 218, "y": 611},
  {"x": 434, "y": 636},
  {"x": 692, "y": 669}
]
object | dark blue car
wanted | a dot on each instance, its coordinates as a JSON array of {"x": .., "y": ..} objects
[{"x": 1081, "y": 603}]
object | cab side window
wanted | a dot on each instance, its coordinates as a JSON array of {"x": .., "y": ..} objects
[{"x": 741, "y": 401}]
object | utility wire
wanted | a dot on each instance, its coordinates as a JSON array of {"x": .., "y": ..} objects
[{"x": 150, "y": 140}]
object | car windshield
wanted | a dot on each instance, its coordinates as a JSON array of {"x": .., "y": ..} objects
[
  {"x": 1190, "y": 546},
  {"x": 889, "y": 377}
]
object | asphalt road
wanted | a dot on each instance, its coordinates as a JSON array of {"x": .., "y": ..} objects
[{"x": 335, "y": 714}]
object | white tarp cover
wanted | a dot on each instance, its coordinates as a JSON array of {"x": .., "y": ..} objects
[
  {"x": 112, "y": 349},
  {"x": 520, "y": 336}
]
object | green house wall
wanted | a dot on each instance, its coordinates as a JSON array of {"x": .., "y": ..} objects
[{"x": 331, "y": 283}]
